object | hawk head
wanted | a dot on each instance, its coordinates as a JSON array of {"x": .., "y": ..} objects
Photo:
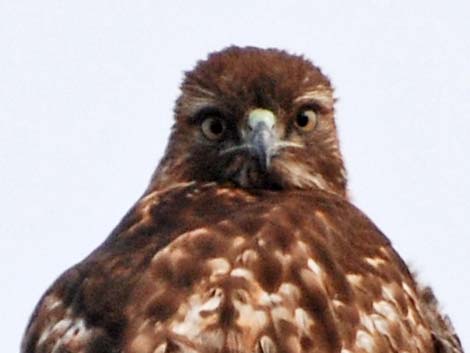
[{"x": 257, "y": 118}]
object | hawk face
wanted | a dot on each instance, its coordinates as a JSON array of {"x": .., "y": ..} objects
[{"x": 258, "y": 119}]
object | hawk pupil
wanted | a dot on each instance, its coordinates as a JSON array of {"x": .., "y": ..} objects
[
  {"x": 216, "y": 127},
  {"x": 302, "y": 119}
]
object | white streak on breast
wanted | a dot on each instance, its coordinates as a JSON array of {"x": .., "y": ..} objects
[
  {"x": 65, "y": 331},
  {"x": 303, "y": 320},
  {"x": 213, "y": 339},
  {"x": 375, "y": 261},
  {"x": 77, "y": 330},
  {"x": 238, "y": 241},
  {"x": 337, "y": 303},
  {"x": 289, "y": 290},
  {"x": 408, "y": 290},
  {"x": 269, "y": 299},
  {"x": 386, "y": 309},
  {"x": 312, "y": 265},
  {"x": 381, "y": 324},
  {"x": 250, "y": 317},
  {"x": 161, "y": 348},
  {"x": 387, "y": 293},
  {"x": 243, "y": 273},
  {"x": 354, "y": 279},
  {"x": 219, "y": 266},
  {"x": 193, "y": 323},
  {"x": 365, "y": 341},
  {"x": 247, "y": 257},
  {"x": 267, "y": 345},
  {"x": 280, "y": 314},
  {"x": 367, "y": 322}
]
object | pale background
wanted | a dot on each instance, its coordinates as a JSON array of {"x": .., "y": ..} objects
[{"x": 86, "y": 93}]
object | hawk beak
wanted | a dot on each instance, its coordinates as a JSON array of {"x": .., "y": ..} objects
[{"x": 262, "y": 136}]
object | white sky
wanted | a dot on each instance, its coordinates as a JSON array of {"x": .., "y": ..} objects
[{"x": 86, "y": 93}]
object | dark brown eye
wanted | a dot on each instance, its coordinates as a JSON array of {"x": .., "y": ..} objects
[
  {"x": 213, "y": 127},
  {"x": 306, "y": 120}
]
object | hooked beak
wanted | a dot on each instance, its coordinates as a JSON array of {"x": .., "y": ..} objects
[{"x": 261, "y": 136}]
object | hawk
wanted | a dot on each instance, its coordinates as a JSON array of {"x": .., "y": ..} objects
[{"x": 245, "y": 240}]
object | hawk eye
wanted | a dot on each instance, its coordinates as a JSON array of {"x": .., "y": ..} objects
[
  {"x": 306, "y": 119},
  {"x": 213, "y": 127}
]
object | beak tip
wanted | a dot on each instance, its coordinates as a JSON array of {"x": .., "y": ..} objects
[{"x": 263, "y": 140}]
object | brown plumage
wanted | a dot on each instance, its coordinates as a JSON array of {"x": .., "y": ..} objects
[{"x": 245, "y": 240}]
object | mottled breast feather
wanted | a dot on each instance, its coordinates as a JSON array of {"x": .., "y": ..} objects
[{"x": 205, "y": 268}]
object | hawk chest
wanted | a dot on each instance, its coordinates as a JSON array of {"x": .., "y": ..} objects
[{"x": 276, "y": 273}]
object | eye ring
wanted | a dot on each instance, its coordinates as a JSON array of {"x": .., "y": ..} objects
[
  {"x": 213, "y": 127},
  {"x": 306, "y": 119}
]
